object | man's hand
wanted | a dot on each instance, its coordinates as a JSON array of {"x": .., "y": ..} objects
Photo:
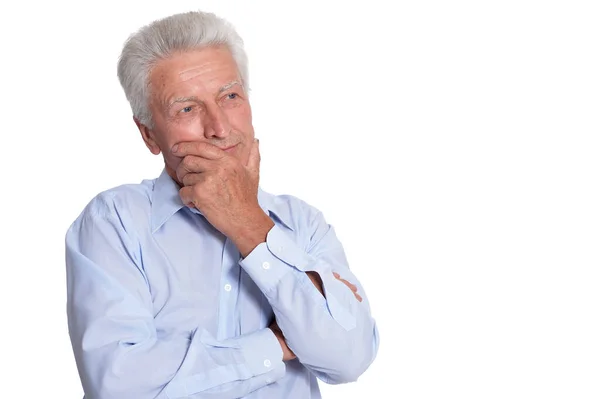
[
  {"x": 316, "y": 280},
  {"x": 349, "y": 285},
  {"x": 225, "y": 191},
  {"x": 287, "y": 352}
]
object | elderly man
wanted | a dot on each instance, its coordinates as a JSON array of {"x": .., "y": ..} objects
[{"x": 199, "y": 284}]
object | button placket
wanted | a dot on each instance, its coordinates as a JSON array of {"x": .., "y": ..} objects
[{"x": 228, "y": 297}]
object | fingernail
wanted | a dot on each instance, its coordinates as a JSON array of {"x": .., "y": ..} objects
[{"x": 174, "y": 148}]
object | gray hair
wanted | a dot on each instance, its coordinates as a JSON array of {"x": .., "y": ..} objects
[{"x": 160, "y": 39}]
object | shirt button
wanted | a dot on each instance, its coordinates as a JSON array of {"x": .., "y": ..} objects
[
  {"x": 227, "y": 287},
  {"x": 266, "y": 265},
  {"x": 268, "y": 380},
  {"x": 267, "y": 363}
]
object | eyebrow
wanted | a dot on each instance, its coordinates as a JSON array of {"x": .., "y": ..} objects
[
  {"x": 196, "y": 99},
  {"x": 182, "y": 100},
  {"x": 229, "y": 86}
]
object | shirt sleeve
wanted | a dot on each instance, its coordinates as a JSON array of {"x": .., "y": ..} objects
[
  {"x": 118, "y": 351},
  {"x": 334, "y": 335}
]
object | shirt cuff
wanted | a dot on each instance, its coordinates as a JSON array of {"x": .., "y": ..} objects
[
  {"x": 270, "y": 261},
  {"x": 262, "y": 353},
  {"x": 256, "y": 356}
]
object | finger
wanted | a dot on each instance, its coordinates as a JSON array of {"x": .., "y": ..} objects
[
  {"x": 198, "y": 148},
  {"x": 253, "y": 163},
  {"x": 358, "y": 297},
  {"x": 350, "y": 285},
  {"x": 187, "y": 195},
  {"x": 193, "y": 164},
  {"x": 189, "y": 179}
]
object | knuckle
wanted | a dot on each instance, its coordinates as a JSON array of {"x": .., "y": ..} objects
[{"x": 210, "y": 177}]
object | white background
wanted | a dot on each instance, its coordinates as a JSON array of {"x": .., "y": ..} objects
[{"x": 454, "y": 146}]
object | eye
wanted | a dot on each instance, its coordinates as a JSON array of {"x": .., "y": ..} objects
[
  {"x": 186, "y": 109},
  {"x": 232, "y": 96}
]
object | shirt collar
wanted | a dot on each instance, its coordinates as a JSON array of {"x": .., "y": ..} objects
[{"x": 166, "y": 202}]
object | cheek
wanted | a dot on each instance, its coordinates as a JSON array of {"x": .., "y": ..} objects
[
  {"x": 241, "y": 117},
  {"x": 177, "y": 133},
  {"x": 172, "y": 136}
]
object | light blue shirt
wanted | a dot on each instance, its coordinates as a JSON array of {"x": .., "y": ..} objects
[{"x": 160, "y": 304}]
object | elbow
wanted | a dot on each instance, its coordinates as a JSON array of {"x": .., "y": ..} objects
[
  {"x": 359, "y": 357},
  {"x": 341, "y": 364},
  {"x": 349, "y": 368},
  {"x": 343, "y": 374}
]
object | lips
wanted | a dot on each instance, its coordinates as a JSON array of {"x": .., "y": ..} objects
[{"x": 229, "y": 149}]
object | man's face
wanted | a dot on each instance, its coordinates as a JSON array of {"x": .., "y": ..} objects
[{"x": 198, "y": 96}]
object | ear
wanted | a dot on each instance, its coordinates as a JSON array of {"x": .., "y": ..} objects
[{"x": 147, "y": 136}]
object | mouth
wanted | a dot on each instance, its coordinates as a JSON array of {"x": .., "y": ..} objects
[{"x": 230, "y": 149}]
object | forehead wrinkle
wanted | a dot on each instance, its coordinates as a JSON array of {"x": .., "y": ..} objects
[{"x": 194, "y": 72}]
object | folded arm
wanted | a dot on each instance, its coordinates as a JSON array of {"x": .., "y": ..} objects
[
  {"x": 119, "y": 351},
  {"x": 330, "y": 330}
]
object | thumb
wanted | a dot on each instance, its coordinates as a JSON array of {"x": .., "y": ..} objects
[{"x": 253, "y": 164}]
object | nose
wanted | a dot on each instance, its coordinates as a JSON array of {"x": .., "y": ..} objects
[{"x": 216, "y": 123}]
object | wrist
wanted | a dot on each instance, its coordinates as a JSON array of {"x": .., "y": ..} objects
[{"x": 252, "y": 232}]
